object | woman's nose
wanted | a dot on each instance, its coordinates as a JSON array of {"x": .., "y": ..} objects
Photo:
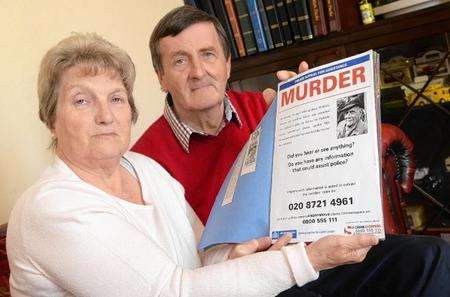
[{"x": 104, "y": 114}]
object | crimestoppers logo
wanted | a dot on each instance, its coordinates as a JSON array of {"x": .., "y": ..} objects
[{"x": 371, "y": 228}]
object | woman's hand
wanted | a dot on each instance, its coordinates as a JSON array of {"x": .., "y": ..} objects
[
  {"x": 258, "y": 245},
  {"x": 334, "y": 250}
]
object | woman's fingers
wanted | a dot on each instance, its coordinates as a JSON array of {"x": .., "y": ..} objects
[
  {"x": 281, "y": 242},
  {"x": 249, "y": 247}
]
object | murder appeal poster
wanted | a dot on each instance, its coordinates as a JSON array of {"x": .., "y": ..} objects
[{"x": 326, "y": 165}]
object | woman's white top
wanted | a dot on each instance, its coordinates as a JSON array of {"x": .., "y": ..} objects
[{"x": 67, "y": 237}]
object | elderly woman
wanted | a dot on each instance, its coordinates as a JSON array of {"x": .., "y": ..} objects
[{"x": 102, "y": 221}]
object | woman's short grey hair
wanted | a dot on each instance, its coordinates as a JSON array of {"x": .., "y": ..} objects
[{"x": 94, "y": 54}]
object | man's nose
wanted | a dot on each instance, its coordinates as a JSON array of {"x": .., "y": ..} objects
[
  {"x": 104, "y": 114},
  {"x": 197, "y": 68}
]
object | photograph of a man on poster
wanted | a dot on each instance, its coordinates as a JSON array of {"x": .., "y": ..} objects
[{"x": 351, "y": 116}]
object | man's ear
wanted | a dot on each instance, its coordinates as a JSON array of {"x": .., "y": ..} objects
[
  {"x": 228, "y": 67},
  {"x": 161, "y": 81}
]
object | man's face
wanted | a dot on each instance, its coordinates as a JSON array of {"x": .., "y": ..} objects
[
  {"x": 195, "y": 70},
  {"x": 352, "y": 116}
]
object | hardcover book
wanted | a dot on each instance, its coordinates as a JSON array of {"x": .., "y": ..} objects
[
  {"x": 318, "y": 18},
  {"x": 274, "y": 23},
  {"x": 258, "y": 27},
  {"x": 290, "y": 9},
  {"x": 312, "y": 167},
  {"x": 333, "y": 15},
  {"x": 246, "y": 27},
  {"x": 266, "y": 25},
  {"x": 191, "y": 3},
  {"x": 304, "y": 21},
  {"x": 233, "y": 18},
  {"x": 284, "y": 21},
  {"x": 219, "y": 8},
  {"x": 206, "y": 5}
]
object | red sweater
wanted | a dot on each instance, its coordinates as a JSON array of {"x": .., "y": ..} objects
[{"x": 203, "y": 170}]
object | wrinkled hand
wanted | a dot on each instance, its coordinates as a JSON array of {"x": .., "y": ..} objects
[
  {"x": 258, "y": 245},
  {"x": 334, "y": 250},
  {"x": 282, "y": 75}
]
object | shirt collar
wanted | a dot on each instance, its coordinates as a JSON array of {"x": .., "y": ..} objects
[{"x": 183, "y": 132}]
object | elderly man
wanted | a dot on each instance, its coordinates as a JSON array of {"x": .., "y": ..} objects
[
  {"x": 203, "y": 129},
  {"x": 354, "y": 121}
]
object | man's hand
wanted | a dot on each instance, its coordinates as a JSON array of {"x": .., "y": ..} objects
[
  {"x": 258, "y": 245},
  {"x": 283, "y": 75},
  {"x": 334, "y": 250}
]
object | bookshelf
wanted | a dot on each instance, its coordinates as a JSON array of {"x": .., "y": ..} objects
[{"x": 382, "y": 33}]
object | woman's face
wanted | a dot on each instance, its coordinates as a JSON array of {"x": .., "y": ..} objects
[{"x": 93, "y": 116}]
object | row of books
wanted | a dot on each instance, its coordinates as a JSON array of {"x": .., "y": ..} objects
[{"x": 254, "y": 26}]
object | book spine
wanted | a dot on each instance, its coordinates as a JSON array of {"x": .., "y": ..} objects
[
  {"x": 232, "y": 17},
  {"x": 246, "y": 27},
  {"x": 304, "y": 21},
  {"x": 272, "y": 17},
  {"x": 289, "y": 4},
  {"x": 334, "y": 21},
  {"x": 265, "y": 22},
  {"x": 206, "y": 5},
  {"x": 191, "y": 3},
  {"x": 257, "y": 25},
  {"x": 284, "y": 20},
  {"x": 318, "y": 18},
  {"x": 221, "y": 14}
]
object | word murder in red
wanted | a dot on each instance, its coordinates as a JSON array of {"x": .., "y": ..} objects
[{"x": 323, "y": 85}]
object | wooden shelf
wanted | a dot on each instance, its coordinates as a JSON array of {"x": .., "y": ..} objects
[
  {"x": 399, "y": 29},
  {"x": 432, "y": 231}
]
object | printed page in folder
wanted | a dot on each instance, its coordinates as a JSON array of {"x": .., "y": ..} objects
[
  {"x": 312, "y": 167},
  {"x": 326, "y": 165}
]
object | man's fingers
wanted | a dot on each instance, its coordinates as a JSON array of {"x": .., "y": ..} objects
[
  {"x": 357, "y": 256},
  {"x": 281, "y": 242},
  {"x": 302, "y": 67},
  {"x": 283, "y": 75},
  {"x": 362, "y": 253},
  {"x": 364, "y": 241},
  {"x": 269, "y": 95}
]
